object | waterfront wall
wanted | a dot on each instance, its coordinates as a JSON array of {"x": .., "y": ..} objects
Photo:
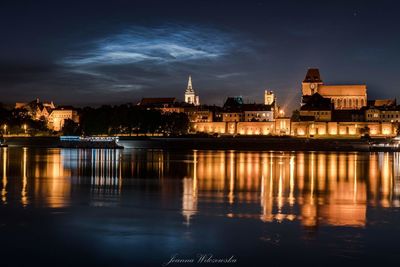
[{"x": 283, "y": 126}]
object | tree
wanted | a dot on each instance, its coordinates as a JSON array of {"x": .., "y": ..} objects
[
  {"x": 70, "y": 128},
  {"x": 175, "y": 123},
  {"x": 364, "y": 132},
  {"x": 130, "y": 118}
]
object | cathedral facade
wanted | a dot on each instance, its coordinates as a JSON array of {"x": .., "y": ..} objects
[{"x": 345, "y": 97}]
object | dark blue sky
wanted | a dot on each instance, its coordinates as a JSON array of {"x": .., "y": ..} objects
[{"x": 95, "y": 52}]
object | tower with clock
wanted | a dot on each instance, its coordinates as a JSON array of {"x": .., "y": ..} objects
[
  {"x": 344, "y": 96},
  {"x": 311, "y": 82}
]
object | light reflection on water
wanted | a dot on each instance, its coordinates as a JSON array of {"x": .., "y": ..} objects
[
  {"x": 314, "y": 188},
  {"x": 120, "y": 196}
]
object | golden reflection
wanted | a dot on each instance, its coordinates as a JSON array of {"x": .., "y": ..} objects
[
  {"x": 291, "y": 184},
  {"x": 316, "y": 188},
  {"x": 51, "y": 177},
  {"x": 396, "y": 178},
  {"x": 46, "y": 176},
  {"x": 4, "y": 181},
  {"x": 231, "y": 176},
  {"x": 386, "y": 181},
  {"x": 24, "y": 197}
]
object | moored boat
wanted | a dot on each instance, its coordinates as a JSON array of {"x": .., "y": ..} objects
[
  {"x": 387, "y": 145},
  {"x": 89, "y": 142}
]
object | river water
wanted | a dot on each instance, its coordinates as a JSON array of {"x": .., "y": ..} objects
[{"x": 151, "y": 207}]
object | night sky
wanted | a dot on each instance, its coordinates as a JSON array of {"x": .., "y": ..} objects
[{"x": 110, "y": 52}]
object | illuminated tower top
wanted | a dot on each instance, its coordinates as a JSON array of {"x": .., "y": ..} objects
[
  {"x": 269, "y": 97},
  {"x": 189, "y": 86},
  {"x": 190, "y": 95}
]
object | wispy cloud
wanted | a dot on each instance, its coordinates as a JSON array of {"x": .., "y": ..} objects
[
  {"x": 151, "y": 61},
  {"x": 127, "y": 87},
  {"x": 166, "y": 44},
  {"x": 229, "y": 75}
]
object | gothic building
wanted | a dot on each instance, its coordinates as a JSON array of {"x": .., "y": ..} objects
[
  {"x": 347, "y": 97},
  {"x": 190, "y": 94}
]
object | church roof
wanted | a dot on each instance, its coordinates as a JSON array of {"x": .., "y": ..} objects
[
  {"x": 342, "y": 90},
  {"x": 157, "y": 101},
  {"x": 312, "y": 76},
  {"x": 234, "y": 102},
  {"x": 382, "y": 102}
]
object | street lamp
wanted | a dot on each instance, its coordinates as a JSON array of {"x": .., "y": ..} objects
[
  {"x": 5, "y": 128},
  {"x": 25, "y": 127}
]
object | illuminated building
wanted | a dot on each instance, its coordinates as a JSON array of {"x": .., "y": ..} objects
[
  {"x": 232, "y": 116},
  {"x": 37, "y": 109},
  {"x": 190, "y": 94},
  {"x": 269, "y": 98},
  {"x": 379, "y": 112},
  {"x": 199, "y": 115},
  {"x": 342, "y": 96},
  {"x": 317, "y": 108},
  {"x": 48, "y": 112},
  {"x": 58, "y": 117},
  {"x": 256, "y": 112},
  {"x": 234, "y": 110},
  {"x": 327, "y": 111}
]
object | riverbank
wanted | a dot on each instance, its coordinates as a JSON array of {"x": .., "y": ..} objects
[
  {"x": 255, "y": 143},
  {"x": 217, "y": 143}
]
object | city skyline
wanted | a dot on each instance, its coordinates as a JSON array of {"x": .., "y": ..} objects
[{"x": 75, "y": 54}]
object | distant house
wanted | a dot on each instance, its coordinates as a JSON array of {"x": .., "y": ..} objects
[
  {"x": 383, "y": 114},
  {"x": 36, "y": 109},
  {"x": 235, "y": 110},
  {"x": 258, "y": 112},
  {"x": 58, "y": 117}
]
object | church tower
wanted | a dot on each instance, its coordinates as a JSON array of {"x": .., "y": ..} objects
[
  {"x": 190, "y": 95},
  {"x": 311, "y": 82},
  {"x": 269, "y": 98}
]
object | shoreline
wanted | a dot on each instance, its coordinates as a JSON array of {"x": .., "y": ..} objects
[{"x": 215, "y": 143}]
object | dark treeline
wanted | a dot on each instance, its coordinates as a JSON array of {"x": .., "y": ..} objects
[
  {"x": 127, "y": 119},
  {"x": 123, "y": 119},
  {"x": 17, "y": 121}
]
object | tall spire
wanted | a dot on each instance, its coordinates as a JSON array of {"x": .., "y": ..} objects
[
  {"x": 190, "y": 95},
  {"x": 189, "y": 87}
]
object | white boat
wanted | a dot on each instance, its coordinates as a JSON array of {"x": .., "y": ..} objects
[
  {"x": 89, "y": 142},
  {"x": 387, "y": 145}
]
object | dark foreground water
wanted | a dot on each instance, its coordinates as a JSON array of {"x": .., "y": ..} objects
[{"x": 142, "y": 207}]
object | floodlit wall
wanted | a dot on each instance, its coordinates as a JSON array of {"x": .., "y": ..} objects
[{"x": 300, "y": 129}]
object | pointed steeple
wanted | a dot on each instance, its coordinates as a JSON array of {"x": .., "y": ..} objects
[
  {"x": 190, "y": 94},
  {"x": 189, "y": 86}
]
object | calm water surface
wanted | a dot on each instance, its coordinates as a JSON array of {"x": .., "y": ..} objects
[{"x": 139, "y": 207}]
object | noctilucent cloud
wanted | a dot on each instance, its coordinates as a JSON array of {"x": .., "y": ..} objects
[{"x": 114, "y": 52}]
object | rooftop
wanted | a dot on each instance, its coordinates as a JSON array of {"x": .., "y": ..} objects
[
  {"x": 157, "y": 101},
  {"x": 312, "y": 76}
]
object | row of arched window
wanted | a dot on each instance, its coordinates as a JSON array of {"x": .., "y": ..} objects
[{"x": 348, "y": 102}]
